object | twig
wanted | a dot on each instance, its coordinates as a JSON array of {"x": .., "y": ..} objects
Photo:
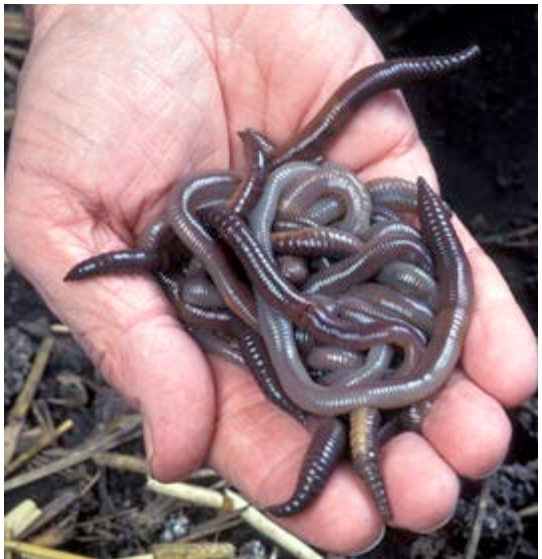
[
  {"x": 29, "y": 437},
  {"x": 58, "y": 533},
  {"x": 194, "y": 551},
  {"x": 233, "y": 502},
  {"x": 123, "y": 430},
  {"x": 16, "y": 52},
  {"x": 9, "y": 117},
  {"x": 271, "y": 530},
  {"x": 59, "y": 328},
  {"x": 474, "y": 540},
  {"x": 20, "y": 36},
  {"x": 213, "y": 526},
  {"x": 189, "y": 551},
  {"x": 11, "y": 70},
  {"x": 104, "y": 519},
  {"x": 40, "y": 552},
  {"x": 18, "y": 519},
  {"x": 201, "y": 496},
  {"x": 15, "y": 22},
  {"x": 52, "y": 510},
  {"x": 42, "y": 415},
  {"x": 519, "y": 243},
  {"x": 513, "y": 237},
  {"x": 530, "y": 510},
  {"x": 47, "y": 438},
  {"x": 17, "y": 415},
  {"x": 203, "y": 473},
  {"x": 119, "y": 461}
]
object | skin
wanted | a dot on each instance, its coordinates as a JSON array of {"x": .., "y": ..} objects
[{"x": 98, "y": 141}]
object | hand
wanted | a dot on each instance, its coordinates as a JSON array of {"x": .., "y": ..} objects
[{"x": 116, "y": 103}]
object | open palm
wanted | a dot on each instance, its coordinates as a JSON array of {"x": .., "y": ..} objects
[{"x": 115, "y": 104}]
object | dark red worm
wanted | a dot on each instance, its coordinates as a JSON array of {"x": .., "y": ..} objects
[
  {"x": 116, "y": 262},
  {"x": 316, "y": 136},
  {"x": 325, "y": 450}
]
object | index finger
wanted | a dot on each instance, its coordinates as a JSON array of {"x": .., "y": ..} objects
[{"x": 499, "y": 353}]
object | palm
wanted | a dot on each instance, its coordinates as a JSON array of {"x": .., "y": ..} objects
[{"x": 115, "y": 109}]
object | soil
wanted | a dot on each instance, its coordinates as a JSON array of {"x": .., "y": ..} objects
[{"x": 480, "y": 128}]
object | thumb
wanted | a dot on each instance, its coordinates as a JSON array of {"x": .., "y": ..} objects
[
  {"x": 127, "y": 328},
  {"x": 158, "y": 367},
  {"x": 141, "y": 349}
]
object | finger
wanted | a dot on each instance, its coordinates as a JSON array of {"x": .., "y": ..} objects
[
  {"x": 468, "y": 428},
  {"x": 499, "y": 353},
  {"x": 500, "y": 348},
  {"x": 422, "y": 488},
  {"x": 158, "y": 365},
  {"x": 142, "y": 351},
  {"x": 126, "y": 327},
  {"x": 260, "y": 450}
]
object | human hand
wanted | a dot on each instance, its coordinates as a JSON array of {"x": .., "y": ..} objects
[{"x": 114, "y": 105}]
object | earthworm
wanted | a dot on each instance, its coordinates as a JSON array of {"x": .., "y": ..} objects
[
  {"x": 318, "y": 282},
  {"x": 396, "y": 194},
  {"x": 367, "y": 310},
  {"x": 120, "y": 261},
  {"x": 396, "y": 305},
  {"x": 204, "y": 319},
  {"x": 329, "y": 181},
  {"x": 248, "y": 191},
  {"x": 323, "y": 454},
  {"x": 219, "y": 346},
  {"x": 324, "y": 211},
  {"x": 261, "y": 141},
  {"x": 364, "y": 449},
  {"x": 330, "y": 358},
  {"x": 316, "y": 241},
  {"x": 435, "y": 363},
  {"x": 411, "y": 281},
  {"x": 316, "y": 136},
  {"x": 160, "y": 237},
  {"x": 376, "y": 364},
  {"x": 359, "y": 267},
  {"x": 412, "y": 416},
  {"x": 278, "y": 332},
  {"x": 254, "y": 353},
  {"x": 199, "y": 291},
  {"x": 303, "y": 311},
  {"x": 184, "y": 199},
  {"x": 293, "y": 269}
]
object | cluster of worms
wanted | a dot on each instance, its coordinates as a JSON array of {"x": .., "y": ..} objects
[{"x": 348, "y": 301}]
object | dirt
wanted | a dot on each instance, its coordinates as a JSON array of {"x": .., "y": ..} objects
[{"x": 480, "y": 128}]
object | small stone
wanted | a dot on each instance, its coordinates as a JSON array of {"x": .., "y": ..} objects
[
  {"x": 175, "y": 527},
  {"x": 253, "y": 549}
]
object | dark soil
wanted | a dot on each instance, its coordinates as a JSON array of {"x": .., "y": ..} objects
[{"x": 480, "y": 127}]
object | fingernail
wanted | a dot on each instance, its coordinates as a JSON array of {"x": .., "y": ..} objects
[
  {"x": 490, "y": 471},
  {"x": 371, "y": 546},
  {"x": 439, "y": 524}
]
